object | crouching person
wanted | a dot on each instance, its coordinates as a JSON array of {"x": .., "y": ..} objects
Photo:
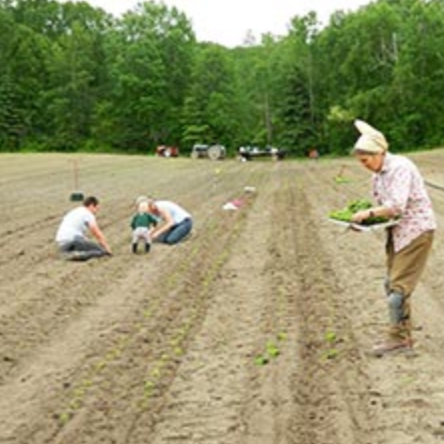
[
  {"x": 175, "y": 223},
  {"x": 72, "y": 233}
]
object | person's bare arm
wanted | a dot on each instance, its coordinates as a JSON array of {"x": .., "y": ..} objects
[
  {"x": 167, "y": 223},
  {"x": 97, "y": 233},
  {"x": 373, "y": 212}
]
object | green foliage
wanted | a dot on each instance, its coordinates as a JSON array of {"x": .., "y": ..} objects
[
  {"x": 331, "y": 353},
  {"x": 271, "y": 352},
  {"x": 261, "y": 360},
  {"x": 346, "y": 214},
  {"x": 11, "y": 118},
  {"x": 209, "y": 113},
  {"x": 73, "y": 78},
  {"x": 330, "y": 337}
]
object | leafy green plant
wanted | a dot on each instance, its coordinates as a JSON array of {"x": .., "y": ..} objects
[
  {"x": 282, "y": 336},
  {"x": 272, "y": 349},
  {"x": 64, "y": 418},
  {"x": 342, "y": 179},
  {"x": 346, "y": 214},
  {"x": 330, "y": 337},
  {"x": 261, "y": 360},
  {"x": 331, "y": 353}
]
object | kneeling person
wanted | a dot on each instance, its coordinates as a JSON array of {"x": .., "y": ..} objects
[
  {"x": 71, "y": 234},
  {"x": 175, "y": 222}
]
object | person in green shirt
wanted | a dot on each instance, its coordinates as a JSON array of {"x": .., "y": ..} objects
[{"x": 142, "y": 224}]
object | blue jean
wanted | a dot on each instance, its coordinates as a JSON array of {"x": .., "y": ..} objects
[
  {"x": 89, "y": 248},
  {"x": 176, "y": 233}
]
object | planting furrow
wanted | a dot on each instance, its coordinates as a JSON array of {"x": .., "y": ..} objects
[
  {"x": 329, "y": 388},
  {"x": 205, "y": 403},
  {"x": 404, "y": 395},
  {"x": 133, "y": 376},
  {"x": 39, "y": 308}
]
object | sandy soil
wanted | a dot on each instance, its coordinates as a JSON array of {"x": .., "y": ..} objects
[{"x": 254, "y": 331}]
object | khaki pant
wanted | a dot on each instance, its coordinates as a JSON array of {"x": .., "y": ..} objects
[{"x": 404, "y": 270}]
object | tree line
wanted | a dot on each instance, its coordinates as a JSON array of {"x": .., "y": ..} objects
[{"x": 75, "y": 78}]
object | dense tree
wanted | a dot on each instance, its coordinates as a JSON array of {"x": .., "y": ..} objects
[
  {"x": 297, "y": 107},
  {"x": 150, "y": 54},
  {"x": 74, "y": 78},
  {"x": 211, "y": 105}
]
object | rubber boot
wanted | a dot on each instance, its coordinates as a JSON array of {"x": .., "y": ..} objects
[
  {"x": 387, "y": 286},
  {"x": 395, "y": 303}
]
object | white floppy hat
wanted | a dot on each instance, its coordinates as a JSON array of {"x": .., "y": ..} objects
[{"x": 371, "y": 140}]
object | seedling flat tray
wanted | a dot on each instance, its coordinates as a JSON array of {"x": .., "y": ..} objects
[{"x": 360, "y": 227}]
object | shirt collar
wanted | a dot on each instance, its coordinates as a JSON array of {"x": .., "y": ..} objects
[{"x": 386, "y": 163}]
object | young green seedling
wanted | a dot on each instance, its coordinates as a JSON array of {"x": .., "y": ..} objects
[
  {"x": 330, "y": 337},
  {"x": 272, "y": 349},
  {"x": 261, "y": 360}
]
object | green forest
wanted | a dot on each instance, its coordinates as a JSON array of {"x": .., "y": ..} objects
[{"x": 75, "y": 78}]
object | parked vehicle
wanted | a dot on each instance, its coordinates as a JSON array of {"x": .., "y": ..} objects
[
  {"x": 167, "y": 151},
  {"x": 212, "y": 152},
  {"x": 250, "y": 152}
]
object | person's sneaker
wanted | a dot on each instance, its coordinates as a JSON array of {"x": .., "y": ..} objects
[
  {"x": 147, "y": 247},
  {"x": 78, "y": 256},
  {"x": 134, "y": 248},
  {"x": 392, "y": 347}
]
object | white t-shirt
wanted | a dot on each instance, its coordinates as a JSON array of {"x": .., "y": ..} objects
[
  {"x": 178, "y": 214},
  {"x": 75, "y": 224}
]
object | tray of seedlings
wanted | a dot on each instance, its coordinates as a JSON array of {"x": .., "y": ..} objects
[{"x": 344, "y": 216}]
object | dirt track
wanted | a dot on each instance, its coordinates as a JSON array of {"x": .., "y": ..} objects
[{"x": 164, "y": 348}]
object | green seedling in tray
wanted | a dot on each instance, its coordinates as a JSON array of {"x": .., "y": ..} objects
[{"x": 346, "y": 214}]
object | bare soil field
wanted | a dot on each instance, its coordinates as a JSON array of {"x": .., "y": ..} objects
[{"x": 253, "y": 331}]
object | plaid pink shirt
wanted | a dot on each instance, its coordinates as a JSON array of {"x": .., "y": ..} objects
[{"x": 400, "y": 187}]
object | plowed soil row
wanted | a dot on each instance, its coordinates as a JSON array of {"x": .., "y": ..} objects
[{"x": 252, "y": 331}]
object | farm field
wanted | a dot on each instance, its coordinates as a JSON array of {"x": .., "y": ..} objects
[{"x": 253, "y": 331}]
